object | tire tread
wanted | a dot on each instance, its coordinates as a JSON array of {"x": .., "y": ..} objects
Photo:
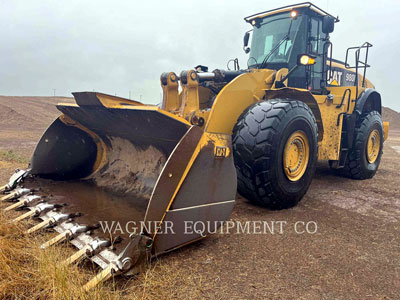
[{"x": 257, "y": 127}]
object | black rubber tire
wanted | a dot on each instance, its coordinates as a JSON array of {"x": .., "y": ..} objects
[
  {"x": 259, "y": 138},
  {"x": 357, "y": 166}
]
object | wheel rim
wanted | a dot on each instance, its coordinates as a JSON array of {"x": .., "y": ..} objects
[
  {"x": 296, "y": 155},
  {"x": 373, "y": 146}
]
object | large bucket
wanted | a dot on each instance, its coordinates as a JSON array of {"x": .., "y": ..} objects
[{"x": 109, "y": 159}]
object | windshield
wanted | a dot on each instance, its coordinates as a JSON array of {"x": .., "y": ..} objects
[{"x": 274, "y": 40}]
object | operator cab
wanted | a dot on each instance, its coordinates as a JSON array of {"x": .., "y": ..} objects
[{"x": 281, "y": 35}]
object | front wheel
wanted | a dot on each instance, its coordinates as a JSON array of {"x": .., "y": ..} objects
[
  {"x": 275, "y": 148},
  {"x": 365, "y": 156}
]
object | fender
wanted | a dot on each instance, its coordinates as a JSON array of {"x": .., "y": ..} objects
[
  {"x": 368, "y": 101},
  {"x": 300, "y": 95}
]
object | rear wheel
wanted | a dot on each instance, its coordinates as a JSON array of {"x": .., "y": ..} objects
[
  {"x": 275, "y": 149},
  {"x": 363, "y": 160}
]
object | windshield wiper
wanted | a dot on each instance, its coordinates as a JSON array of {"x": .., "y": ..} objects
[
  {"x": 284, "y": 39},
  {"x": 265, "y": 60}
]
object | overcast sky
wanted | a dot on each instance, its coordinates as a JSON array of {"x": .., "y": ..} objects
[{"x": 121, "y": 46}]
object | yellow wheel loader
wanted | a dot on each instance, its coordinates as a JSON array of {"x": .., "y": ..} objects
[{"x": 258, "y": 130}]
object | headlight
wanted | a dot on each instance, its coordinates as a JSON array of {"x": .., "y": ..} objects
[{"x": 305, "y": 60}]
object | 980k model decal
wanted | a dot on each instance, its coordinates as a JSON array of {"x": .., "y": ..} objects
[{"x": 341, "y": 77}]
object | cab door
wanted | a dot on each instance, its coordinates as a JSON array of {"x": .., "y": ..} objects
[{"x": 316, "y": 41}]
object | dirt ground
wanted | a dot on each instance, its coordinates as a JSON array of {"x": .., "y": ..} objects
[{"x": 354, "y": 253}]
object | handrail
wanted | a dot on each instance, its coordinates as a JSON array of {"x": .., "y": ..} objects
[
  {"x": 344, "y": 95},
  {"x": 364, "y": 63},
  {"x": 341, "y": 104}
]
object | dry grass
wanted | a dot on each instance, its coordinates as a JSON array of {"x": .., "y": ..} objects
[
  {"x": 12, "y": 157},
  {"x": 27, "y": 272},
  {"x": 30, "y": 273}
]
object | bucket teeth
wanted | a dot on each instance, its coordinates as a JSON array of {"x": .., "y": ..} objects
[
  {"x": 77, "y": 256},
  {"x": 128, "y": 261},
  {"x": 104, "y": 275},
  {"x": 57, "y": 239},
  {"x": 16, "y": 194},
  {"x": 68, "y": 234},
  {"x": 23, "y": 202},
  {"x": 50, "y": 221},
  {"x": 24, "y": 216},
  {"x": 88, "y": 250},
  {"x": 15, "y": 205},
  {"x": 16, "y": 178},
  {"x": 45, "y": 223},
  {"x": 35, "y": 211}
]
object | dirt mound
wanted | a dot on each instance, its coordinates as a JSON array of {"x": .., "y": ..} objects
[
  {"x": 11, "y": 118},
  {"x": 29, "y": 112},
  {"x": 391, "y": 116}
]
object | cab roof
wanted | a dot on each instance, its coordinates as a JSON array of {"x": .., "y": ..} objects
[{"x": 305, "y": 5}]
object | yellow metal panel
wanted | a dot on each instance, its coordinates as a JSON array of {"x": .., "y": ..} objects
[
  {"x": 385, "y": 130},
  {"x": 171, "y": 99},
  {"x": 68, "y": 104},
  {"x": 330, "y": 145},
  {"x": 338, "y": 92},
  {"x": 114, "y": 101},
  {"x": 368, "y": 84},
  {"x": 235, "y": 97},
  {"x": 279, "y": 76},
  {"x": 190, "y": 93}
]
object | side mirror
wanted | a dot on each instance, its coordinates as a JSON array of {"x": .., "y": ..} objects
[
  {"x": 328, "y": 24},
  {"x": 246, "y": 42},
  {"x": 246, "y": 39}
]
